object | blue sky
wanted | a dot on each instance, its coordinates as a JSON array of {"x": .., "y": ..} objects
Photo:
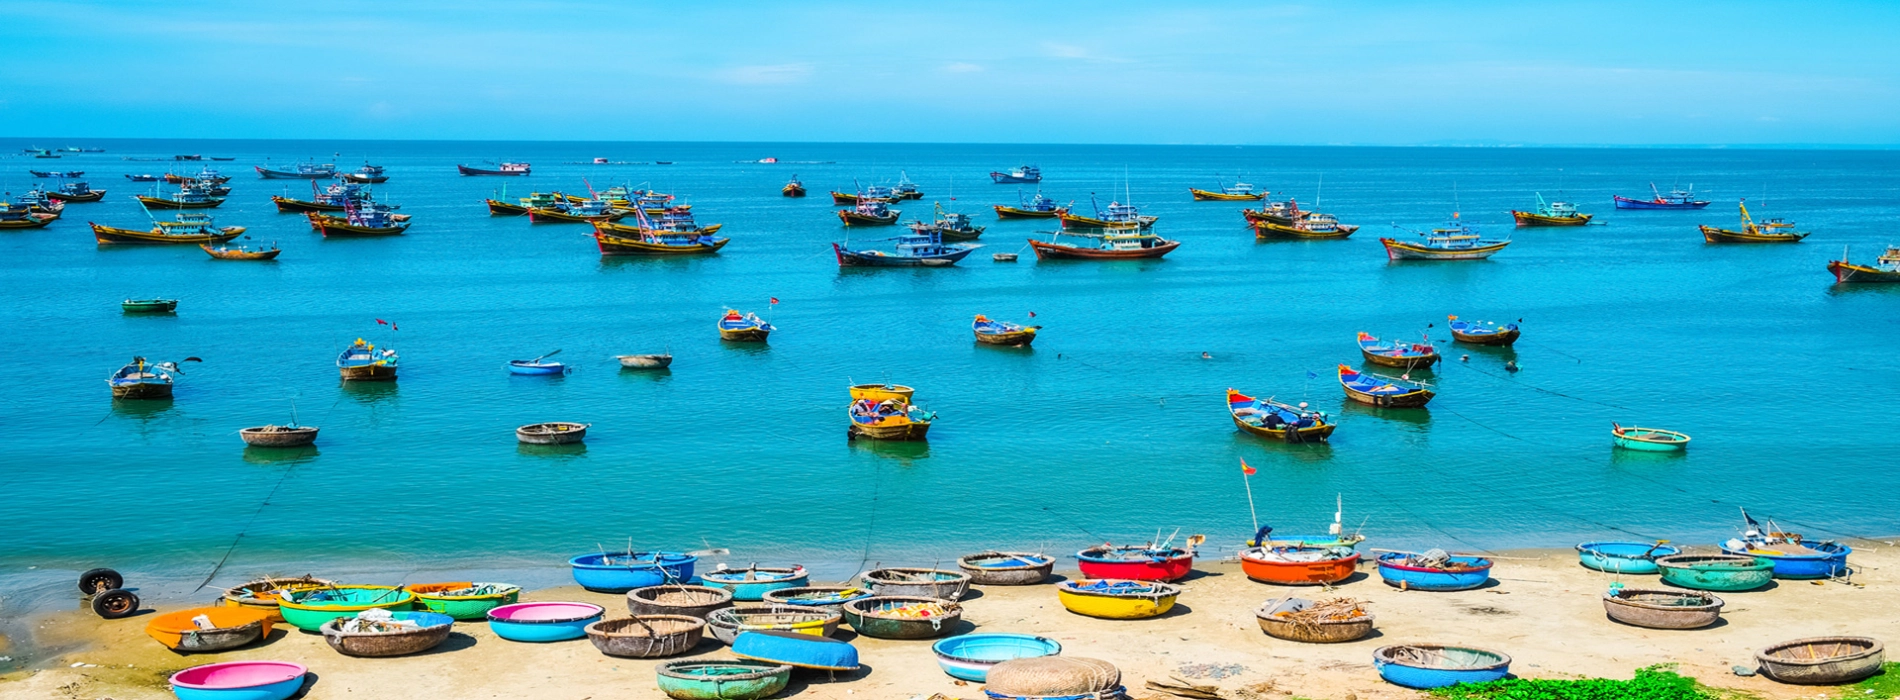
[{"x": 1000, "y": 72}]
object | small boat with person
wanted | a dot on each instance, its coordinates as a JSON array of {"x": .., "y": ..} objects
[
  {"x": 1383, "y": 391},
  {"x": 1766, "y": 231},
  {"x": 1040, "y": 207},
  {"x": 1454, "y": 241},
  {"x": 363, "y": 361},
  {"x": 743, "y": 328},
  {"x": 1272, "y": 419},
  {"x": 1108, "y": 245},
  {"x": 1237, "y": 192},
  {"x": 300, "y": 171},
  {"x": 891, "y": 417},
  {"x": 1648, "y": 439},
  {"x": 914, "y": 249},
  {"x": 1551, "y": 214},
  {"x": 1676, "y": 199},
  {"x": 141, "y": 379},
  {"x": 225, "y": 251},
  {"x": 189, "y": 227},
  {"x": 869, "y": 212},
  {"x": 1885, "y": 268},
  {"x": 499, "y": 169},
  {"x": 1020, "y": 174},
  {"x": 992, "y": 332},
  {"x": 1484, "y": 332},
  {"x": 76, "y": 191}
]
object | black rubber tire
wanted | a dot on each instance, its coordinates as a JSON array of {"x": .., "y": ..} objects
[
  {"x": 115, "y": 603},
  {"x": 99, "y": 581}
]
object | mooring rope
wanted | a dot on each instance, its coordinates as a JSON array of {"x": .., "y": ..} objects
[{"x": 247, "y": 528}]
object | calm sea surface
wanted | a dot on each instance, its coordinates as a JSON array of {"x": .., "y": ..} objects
[{"x": 1111, "y": 428}]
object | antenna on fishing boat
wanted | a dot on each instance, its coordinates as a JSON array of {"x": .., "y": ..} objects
[{"x": 1317, "y": 190}]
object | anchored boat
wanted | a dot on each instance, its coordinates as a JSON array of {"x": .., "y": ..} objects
[
  {"x": 1272, "y": 419},
  {"x": 1676, "y": 199},
  {"x": 1483, "y": 332},
  {"x": 12, "y": 217},
  {"x": 1551, "y": 214},
  {"x": 1454, "y": 241},
  {"x": 923, "y": 248},
  {"x": 617, "y": 239},
  {"x": 869, "y": 212},
  {"x": 140, "y": 379},
  {"x": 362, "y": 361},
  {"x": 1648, "y": 439},
  {"x": 367, "y": 174},
  {"x": 886, "y": 416},
  {"x": 1116, "y": 216},
  {"x": 793, "y": 188},
  {"x": 1383, "y": 391},
  {"x": 500, "y": 169},
  {"x": 950, "y": 226},
  {"x": 239, "y": 252},
  {"x": 1039, "y": 208},
  {"x": 336, "y": 197},
  {"x": 188, "y": 227},
  {"x": 1110, "y": 245},
  {"x": 191, "y": 196},
  {"x": 1886, "y": 268},
  {"x": 301, "y": 171},
  {"x": 1291, "y": 223},
  {"x": 747, "y": 327},
  {"x": 1237, "y": 192},
  {"x": 76, "y": 191},
  {"x": 1019, "y": 174},
  {"x": 373, "y": 220},
  {"x": 1397, "y": 353},
  {"x": 992, "y": 332},
  {"x": 1767, "y": 231},
  {"x": 874, "y": 193},
  {"x": 905, "y": 189}
]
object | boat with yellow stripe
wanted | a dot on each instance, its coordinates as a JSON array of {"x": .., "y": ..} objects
[
  {"x": 1237, "y": 192},
  {"x": 189, "y": 227},
  {"x": 1886, "y": 268},
  {"x": 1551, "y": 214},
  {"x": 190, "y": 197},
  {"x": 991, "y": 332},
  {"x": 1117, "y": 599},
  {"x": 884, "y": 412},
  {"x": 1767, "y": 231},
  {"x": 12, "y": 217},
  {"x": 1039, "y": 208},
  {"x": 620, "y": 239},
  {"x": 1299, "y": 225}
]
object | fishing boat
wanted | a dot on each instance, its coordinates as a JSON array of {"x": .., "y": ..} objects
[
  {"x": 499, "y": 169},
  {"x": 1648, "y": 439},
  {"x": 1138, "y": 562},
  {"x": 869, "y": 213},
  {"x": 1116, "y": 216},
  {"x": 373, "y": 220},
  {"x": 1237, "y": 192},
  {"x": 149, "y": 306},
  {"x": 1823, "y": 660},
  {"x": 12, "y": 217},
  {"x": 1117, "y": 599},
  {"x": 1794, "y": 557},
  {"x": 654, "y": 203},
  {"x": 617, "y": 239},
  {"x": 1454, "y": 241},
  {"x": 992, "y": 332},
  {"x": 1327, "y": 622},
  {"x": 582, "y": 212},
  {"x": 1383, "y": 391},
  {"x": 140, "y": 379},
  {"x": 750, "y": 584},
  {"x": 336, "y": 197},
  {"x": 1483, "y": 332},
  {"x": 142, "y": 178},
  {"x": 239, "y": 252},
  {"x": 697, "y": 679},
  {"x": 1007, "y": 568},
  {"x": 1038, "y": 208},
  {"x": 1676, "y": 199},
  {"x": 188, "y": 227},
  {"x": 970, "y": 657},
  {"x": 551, "y": 621},
  {"x": 1716, "y": 572},
  {"x": 54, "y": 174},
  {"x": 1113, "y": 245},
  {"x": 1661, "y": 609},
  {"x": 949, "y": 225},
  {"x": 1433, "y": 570},
  {"x": 1551, "y": 214},
  {"x": 905, "y": 189},
  {"x": 874, "y": 193},
  {"x": 891, "y": 418},
  {"x": 793, "y": 188},
  {"x": 301, "y": 171},
  {"x": 292, "y": 435},
  {"x": 1886, "y": 268},
  {"x": 368, "y": 174},
  {"x": 1019, "y": 174},
  {"x": 1624, "y": 557},
  {"x": 36, "y": 200},
  {"x": 363, "y": 361},
  {"x": 536, "y": 367},
  {"x": 623, "y": 571},
  {"x": 747, "y": 327},
  {"x": 76, "y": 192},
  {"x": 1766, "y": 231},
  {"x": 915, "y": 249},
  {"x": 1296, "y": 565},
  {"x": 191, "y": 196},
  {"x": 552, "y": 433},
  {"x": 1284, "y": 213},
  {"x": 497, "y": 207},
  {"x": 1397, "y": 353},
  {"x": 902, "y": 617},
  {"x": 1272, "y": 419},
  {"x": 1300, "y": 225},
  {"x": 209, "y": 175},
  {"x": 1427, "y": 666},
  {"x": 232, "y": 680}
]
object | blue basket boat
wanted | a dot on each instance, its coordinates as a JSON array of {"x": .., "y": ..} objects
[
  {"x": 752, "y": 583},
  {"x": 239, "y": 680},
  {"x": 1796, "y": 560},
  {"x": 1402, "y": 570},
  {"x": 1623, "y": 557},
  {"x": 796, "y": 649},
  {"x": 1426, "y": 666},
  {"x": 619, "y": 572},
  {"x": 970, "y": 656},
  {"x": 543, "y": 622}
]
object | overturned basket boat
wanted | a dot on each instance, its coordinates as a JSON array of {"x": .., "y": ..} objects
[
  {"x": 1051, "y": 677},
  {"x": 830, "y": 599},
  {"x": 1007, "y": 568},
  {"x": 645, "y": 361},
  {"x": 1662, "y": 609},
  {"x": 647, "y": 636},
  {"x": 429, "y": 630},
  {"x": 552, "y": 433},
  {"x": 1822, "y": 660},
  {"x": 797, "y": 650},
  {"x": 1300, "y": 620},
  {"x": 678, "y": 600},
  {"x": 465, "y": 600},
  {"x": 902, "y": 617},
  {"x": 698, "y": 679},
  {"x": 279, "y": 435},
  {"x": 230, "y": 628},
  {"x": 727, "y": 623},
  {"x": 920, "y": 583}
]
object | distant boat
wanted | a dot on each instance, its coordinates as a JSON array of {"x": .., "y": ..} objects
[
  {"x": 915, "y": 249},
  {"x": 1551, "y": 214},
  {"x": 1886, "y": 268},
  {"x": 1111, "y": 245},
  {"x": 1272, "y": 419},
  {"x": 906, "y": 189},
  {"x": 646, "y": 239},
  {"x": 38, "y": 201},
  {"x": 370, "y": 220},
  {"x": 874, "y": 193},
  {"x": 1767, "y": 231},
  {"x": 57, "y": 173},
  {"x": 584, "y": 211},
  {"x": 366, "y": 174},
  {"x": 1648, "y": 439},
  {"x": 1483, "y": 332},
  {"x": 1383, "y": 391},
  {"x": 1237, "y": 192},
  {"x": 1116, "y": 216},
  {"x": 142, "y": 178},
  {"x": 192, "y": 196},
  {"x": 1454, "y": 241},
  {"x": 744, "y": 328},
  {"x": 1039, "y": 208},
  {"x": 1392, "y": 353},
  {"x": 993, "y": 332},
  {"x": 1676, "y": 199},
  {"x": 77, "y": 191},
  {"x": 869, "y": 213},
  {"x": 1019, "y": 174},
  {"x": 499, "y": 169},
  {"x": 229, "y": 252},
  {"x": 364, "y": 362},
  {"x": 951, "y": 226},
  {"x": 302, "y": 171},
  {"x": 1299, "y": 225},
  {"x": 149, "y": 306},
  {"x": 210, "y": 175},
  {"x": 793, "y": 188},
  {"x": 189, "y": 227}
]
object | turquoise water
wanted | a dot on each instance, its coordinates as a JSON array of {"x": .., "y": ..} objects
[{"x": 1111, "y": 428}]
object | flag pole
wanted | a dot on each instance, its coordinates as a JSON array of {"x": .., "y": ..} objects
[{"x": 1250, "y": 509}]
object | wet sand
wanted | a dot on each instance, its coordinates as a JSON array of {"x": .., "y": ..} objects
[{"x": 1542, "y": 609}]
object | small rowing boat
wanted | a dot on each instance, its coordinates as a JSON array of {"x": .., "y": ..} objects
[
  {"x": 300, "y": 171},
  {"x": 1397, "y": 353},
  {"x": 1038, "y": 208},
  {"x": 659, "y": 361},
  {"x": 1551, "y": 214},
  {"x": 1382, "y": 391},
  {"x": 793, "y": 188},
  {"x": 1019, "y": 174},
  {"x": 1139, "y": 562},
  {"x": 1483, "y": 332},
  {"x": 188, "y": 227},
  {"x": 1676, "y": 199},
  {"x": 1111, "y": 245},
  {"x": 1716, "y": 572},
  {"x": 869, "y": 212},
  {"x": 1427, "y": 666},
  {"x": 363, "y": 361},
  {"x": 744, "y": 328},
  {"x": 1117, "y": 599},
  {"x": 992, "y": 332},
  {"x": 239, "y": 252},
  {"x": 537, "y": 368},
  {"x": 1648, "y": 439},
  {"x": 1237, "y": 192},
  {"x": 140, "y": 379},
  {"x": 500, "y": 169},
  {"x": 1886, "y": 268},
  {"x": 919, "y": 248},
  {"x": 1433, "y": 570},
  {"x": 555, "y": 433},
  {"x": 1454, "y": 241},
  {"x": 1766, "y": 231},
  {"x": 1272, "y": 419}
]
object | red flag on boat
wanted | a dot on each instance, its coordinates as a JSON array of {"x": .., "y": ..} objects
[
  {"x": 1244, "y": 469},
  {"x": 1032, "y": 314},
  {"x": 381, "y": 322},
  {"x": 775, "y": 300}
]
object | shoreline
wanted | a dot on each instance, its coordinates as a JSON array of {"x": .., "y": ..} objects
[{"x": 1542, "y": 609}]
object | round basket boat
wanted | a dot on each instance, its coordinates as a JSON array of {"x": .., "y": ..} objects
[
  {"x": 1282, "y": 620},
  {"x": 1007, "y": 568},
  {"x": 1299, "y": 565},
  {"x": 279, "y": 435},
  {"x": 1822, "y": 660},
  {"x": 647, "y": 636},
  {"x": 1135, "y": 563},
  {"x": 902, "y": 617},
  {"x": 1623, "y": 557},
  {"x": 918, "y": 583},
  {"x": 465, "y": 600},
  {"x": 1053, "y": 677},
  {"x": 231, "y": 627},
  {"x": 969, "y": 657},
  {"x": 1426, "y": 666},
  {"x": 1117, "y": 599},
  {"x": 1804, "y": 560},
  {"x": 678, "y": 599},
  {"x": 826, "y": 598},
  {"x": 722, "y": 680},
  {"x": 239, "y": 680},
  {"x": 556, "y": 433},
  {"x": 619, "y": 572},
  {"x": 750, "y": 584},
  {"x": 727, "y": 623},
  {"x": 308, "y": 609},
  {"x": 543, "y": 622},
  {"x": 1402, "y": 571},
  {"x": 1662, "y": 609},
  {"x": 1716, "y": 572},
  {"x": 264, "y": 593},
  {"x": 431, "y": 629}
]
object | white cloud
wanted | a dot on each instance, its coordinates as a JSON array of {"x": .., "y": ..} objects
[
  {"x": 779, "y": 74},
  {"x": 962, "y": 68}
]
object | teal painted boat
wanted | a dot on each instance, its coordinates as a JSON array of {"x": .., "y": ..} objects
[
  {"x": 1624, "y": 557},
  {"x": 307, "y": 610},
  {"x": 1716, "y": 572},
  {"x": 465, "y": 600},
  {"x": 753, "y": 582},
  {"x": 1648, "y": 439},
  {"x": 722, "y": 680},
  {"x": 149, "y": 306}
]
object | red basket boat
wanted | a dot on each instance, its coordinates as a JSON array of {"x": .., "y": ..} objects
[{"x": 1135, "y": 562}]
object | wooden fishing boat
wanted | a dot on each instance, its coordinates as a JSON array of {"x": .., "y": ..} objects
[
  {"x": 726, "y": 624},
  {"x": 1623, "y": 557},
  {"x": 186, "y": 228},
  {"x": 743, "y": 328},
  {"x": 1433, "y": 570},
  {"x": 1237, "y": 192},
  {"x": 827, "y": 598},
  {"x": 52, "y": 174},
  {"x": 919, "y": 248},
  {"x": 1301, "y": 620},
  {"x": 37, "y": 200},
  {"x": 1007, "y": 568},
  {"x": 660, "y": 361},
  {"x": 229, "y": 628},
  {"x": 1454, "y": 241},
  {"x": 1271, "y": 419},
  {"x": 647, "y": 636},
  {"x": 678, "y": 599},
  {"x": 1648, "y": 439},
  {"x": 500, "y": 169},
  {"x": 1039, "y": 208},
  {"x": 1661, "y": 609},
  {"x": 1117, "y": 599},
  {"x": 300, "y": 171},
  {"x": 1284, "y": 213},
  {"x": 970, "y": 657},
  {"x": 336, "y": 197},
  {"x": 149, "y": 306},
  {"x": 536, "y": 368},
  {"x": 1003, "y": 257},
  {"x": 1135, "y": 562},
  {"x": 1716, "y": 572},
  {"x": 76, "y": 192},
  {"x": 881, "y": 392},
  {"x": 205, "y": 175},
  {"x": 991, "y": 332},
  {"x": 887, "y": 419},
  {"x": 950, "y": 226},
  {"x": 551, "y": 621},
  {"x": 279, "y": 435},
  {"x": 620, "y": 572},
  {"x": 191, "y": 197},
  {"x": 1019, "y": 174},
  {"x": 1302, "y": 226},
  {"x": 1676, "y": 199},
  {"x": 240, "y": 680},
  {"x": 1766, "y": 231},
  {"x": 915, "y": 582},
  {"x": 143, "y": 380},
  {"x": 1551, "y": 214},
  {"x": 793, "y": 188},
  {"x": 229, "y": 252},
  {"x": 368, "y": 174},
  {"x": 902, "y": 617},
  {"x": 1383, "y": 391},
  {"x": 722, "y": 680},
  {"x": 905, "y": 189},
  {"x": 616, "y": 239},
  {"x": 22, "y": 218},
  {"x": 1297, "y": 565},
  {"x": 1117, "y": 216},
  {"x": 497, "y": 207},
  {"x": 308, "y": 609},
  {"x": 1484, "y": 332},
  {"x": 1427, "y": 666},
  {"x": 142, "y": 178},
  {"x": 750, "y": 584},
  {"x": 1396, "y": 353},
  {"x": 374, "y": 220},
  {"x": 362, "y": 361},
  {"x": 869, "y": 213},
  {"x": 370, "y": 635},
  {"x": 874, "y": 193},
  {"x": 555, "y": 433},
  {"x": 1886, "y": 268},
  {"x": 1114, "y": 245},
  {"x": 1823, "y": 660},
  {"x": 585, "y": 211},
  {"x": 1794, "y": 557}
]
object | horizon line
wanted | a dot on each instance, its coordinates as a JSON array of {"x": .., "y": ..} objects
[{"x": 1455, "y": 143}]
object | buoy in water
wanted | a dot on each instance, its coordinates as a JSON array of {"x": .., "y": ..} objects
[{"x": 1510, "y": 365}]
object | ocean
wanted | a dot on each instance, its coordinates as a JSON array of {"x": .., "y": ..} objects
[{"x": 1111, "y": 427}]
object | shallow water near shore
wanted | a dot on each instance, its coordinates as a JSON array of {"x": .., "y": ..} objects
[{"x": 1111, "y": 427}]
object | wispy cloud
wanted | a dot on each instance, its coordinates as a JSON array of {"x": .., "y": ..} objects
[
  {"x": 962, "y": 68},
  {"x": 1072, "y": 52},
  {"x": 778, "y": 74}
]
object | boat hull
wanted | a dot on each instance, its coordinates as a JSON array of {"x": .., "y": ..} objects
[
  {"x": 158, "y": 203},
  {"x": 722, "y": 680},
  {"x": 744, "y": 335},
  {"x": 796, "y": 649},
  {"x": 616, "y": 245},
  {"x": 1525, "y": 218},
  {"x": 852, "y": 218},
  {"x": 1269, "y": 230},
  {"x": 107, "y": 235},
  {"x": 1831, "y": 563},
  {"x": 142, "y": 390},
  {"x": 1623, "y": 557},
  {"x": 1008, "y": 179},
  {"x": 1302, "y": 573},
  {"x": 1051, "y": 251},
  {"x": 1845, "y": 272},
  {"x": 368, "y": 373},
  {"x": 1716, "y": 573},
  {"x": 1627, "y": 203},
  {"x": 89, "y": 196},
  {"x": 331, "y": 227},
  {"x": 1013, "y": 339},
  {"x": 269, "y": 174},
  {"x": 1208, "y": 196},
  {"x": 286, "y": 205},
  {"x": 896, "y": 431},
  {"x": 500, "y": 208},
  {"x": 1401, "y": 250},
  {"x": 1312, "y": 433},
  {"x": 1413, "y": 578},
  {"x": 217, "y": 254},
  {"x": 852, "y": 258},
  {"x": 1425, "y": 678},
  {"x": 1415, "y": 399},
  {"x": 554, "y": 216},
  {"x": 1003, "y": 212},
  {"x": 1505, "y": 336},
  {"x": 465, "y": 170},
  {"x": 1156, "y": 569},
  {"x": 1076, "y": 221},
  {"x": 1847, "y": 659},
  {"x": 1712, "y": 234},
  {"x": 1681, "y": 611},
  {"x": 31, "y": 221},
  {"x": 1406, "y": 362},
  {"x": 792, "y": 191}
]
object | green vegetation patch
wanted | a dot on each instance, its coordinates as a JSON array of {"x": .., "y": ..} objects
[
  {"x": 1883, "y": 686},
  {"x": 1652, "y": 683}
]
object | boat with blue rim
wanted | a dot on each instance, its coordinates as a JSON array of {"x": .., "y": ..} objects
[
  {"x": 300, "y": 171},
  {"x": 874, "y": 193},
  {"x": 1551, "y": 214},
  {"x": 1116, "y": 216},
  {"x": 56, "y": 174},
  {"x": 76, "y": 191},
  {"x": 1648, "y": 439},
  {"x": 372, "y": 220},
  {"x": 1624, "y": 557},
  {"x": 1676, "y": 199},
  {"x": 1040, "y": 207},
  {"x": 335, "y": 197},
  {"x": 363, "y": 361},
  {"x": 1383, "y": 391},
  {"x": 191, "y": 196},
  {"x": 1289, "y": 223},
  {"x": 12, "y": 217},
  {"x": 1433, "y": 570},
  {"x": 1484, "y": 332},
  {"x": 1794, "y": 557},
  {"x": 905, "y": 189},
  {"x": 869, "y": 213},
  {"x": 1019, "y": 174},
  {"x": 140, "y": 379},
  {"x": 915, "y": 249},
  {"x": 949, "y": 225},
  {"x": 751, "y": 583},
  {"x": 1394, "y": 353},
  {"x": 992, "y": 332},
  {"x": 1454, "y": 241},
  {"x": 1279, "y": 421},
  {"x": 1427, "y": 666},
  {"x": 619, "y": 572},
  {"x": 747, "y": 327},
  {"x": 619, "y": 239}
]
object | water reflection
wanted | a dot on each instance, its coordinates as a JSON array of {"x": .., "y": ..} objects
[
  {"x": 573, "y": 450},
  {"x": 369, "y": 392},
  {"x": 280, "y": 455},
  {"x": 905, "y": 452}
]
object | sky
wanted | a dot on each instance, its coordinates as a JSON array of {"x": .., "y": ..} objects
[{"x": 1462, "y": 72}]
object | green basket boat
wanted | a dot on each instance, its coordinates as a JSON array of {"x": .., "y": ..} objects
[
  {"x": 465, "y": 600},
  {"x": 1716, "y": 572},
  {"x": 307, "y": 610},
  {"x": 722, "y": 680},
  {"x": 149, "y": 306}
]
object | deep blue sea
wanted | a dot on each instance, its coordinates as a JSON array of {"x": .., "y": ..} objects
[{"x": 1111, "y": 428}]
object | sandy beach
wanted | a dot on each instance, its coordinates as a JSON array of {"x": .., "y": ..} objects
[{"x": 1543, "y": 610}]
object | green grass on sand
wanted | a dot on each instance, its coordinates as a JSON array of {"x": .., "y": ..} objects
[{"x": 1652, "y": 683}]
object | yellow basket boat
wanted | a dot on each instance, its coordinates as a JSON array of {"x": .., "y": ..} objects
[{"x": 1117, "y": 599}]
